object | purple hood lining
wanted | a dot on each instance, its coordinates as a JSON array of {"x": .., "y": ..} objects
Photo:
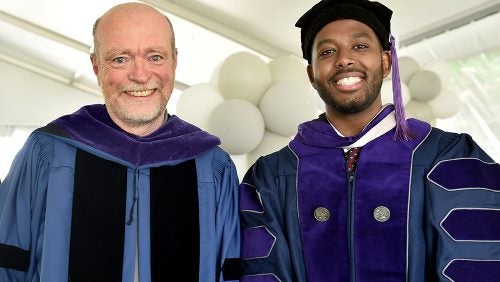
[{"x": 176, "y": 140}]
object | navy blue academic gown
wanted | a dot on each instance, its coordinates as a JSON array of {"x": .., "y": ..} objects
[{"x": 424, "y": 210}]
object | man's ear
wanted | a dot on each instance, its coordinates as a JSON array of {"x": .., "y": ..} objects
[
  {"x": 386, "y": 62},
  {"x": 310, "y": 74},
  {"x": 93, "y": 60},
  {"x": 175, "y": 58},
  {"x": 95, "y": 67}
]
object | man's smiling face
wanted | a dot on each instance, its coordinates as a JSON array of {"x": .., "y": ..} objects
[{"x": 348, "y": 66}]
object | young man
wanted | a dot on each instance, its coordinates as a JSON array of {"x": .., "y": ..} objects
[
  {"x": 408, "y": 202},
  {"x": 121, "y": 191}
]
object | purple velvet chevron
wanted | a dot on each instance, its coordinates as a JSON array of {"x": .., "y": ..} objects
[
  {"x": 257, "y": 242},
  {"x": 249, "y": 199},
  {"x": 466, "y": 174},
  {"x": 473, "y": 270},
  {"x": 473, "y": 224},
  {"x": 260, "y": 278}
]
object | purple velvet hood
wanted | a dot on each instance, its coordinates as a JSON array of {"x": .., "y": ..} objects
[{"x": 91, "y": 126}]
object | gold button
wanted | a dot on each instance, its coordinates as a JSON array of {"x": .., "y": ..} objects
[
  {"x": 321, "y": 214},
  {"x": 381, "y": 214}
]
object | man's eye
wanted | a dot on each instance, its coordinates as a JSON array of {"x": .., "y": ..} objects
[
  {"x": 327, "y": 52},
  {"x": 156, "y": 58},
  {"x": 360, "y": 46},
  {"x": 119, "y": 60}
]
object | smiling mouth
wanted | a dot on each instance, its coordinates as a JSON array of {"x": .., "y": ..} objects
[
  {"x": 141, "y": 93},
  {"x": 348, "y": 80}
]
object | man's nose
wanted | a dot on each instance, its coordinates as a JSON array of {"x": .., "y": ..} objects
[
  {"x": 139, "y": 72},
  {"x": 344, "y": 59}
]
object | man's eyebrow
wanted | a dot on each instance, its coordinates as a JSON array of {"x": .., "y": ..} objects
[
  {"x": 113, "y": 52},
  {"x": 110, "y": 54},
  {"x": 325, "y": 41},
  {"x": 357, "y": 35},
  {"x": 157, "y": 49},
  {"x": 361, "y": 35}
]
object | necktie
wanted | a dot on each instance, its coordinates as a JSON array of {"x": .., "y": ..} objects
[{"x": 351, "y": 157}]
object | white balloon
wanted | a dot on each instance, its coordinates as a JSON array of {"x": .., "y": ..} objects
[
  {"x": 446, "y": 104},
  {"x": 270, "y": 142},
  {"x": 421, "y": 110},
  {"x": 441, "y": 68},
  {"x": 407, "y": 67},
  {"x": 239, "y": 125},
  {"x": 214, "y": 78},
  {"x": 424, "y": 85},
  {"x": 245, "y": 76},
  {"x": 288, "y": 68},
  {"x": 285, "y": 105},
  {"x": 387, "y": 94},
  {"x": 320, "y": 104},
  {"x": 196, "y": 103}
]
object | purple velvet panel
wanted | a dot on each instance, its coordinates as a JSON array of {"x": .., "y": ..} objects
[
  {"x": 473, "y": 271},
  {"x": 473, "y": 224},
  {"x": 175, "y": 140},
  {"x": 260, "y": 278},
  {"x": 381, "y": 179},
  {"x": 466, "y": 173},
  {"x": 257, "y": 242},
  {"x": 249, "y": 199},
  {"x": 322, "y": 182}
]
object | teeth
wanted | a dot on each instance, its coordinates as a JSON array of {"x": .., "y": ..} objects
[
  {"x": 140, "y": 93},
  {"x": 348, "y": 80}
]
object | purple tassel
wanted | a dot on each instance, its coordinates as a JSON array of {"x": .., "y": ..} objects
[{"x": 403, "y": 132}]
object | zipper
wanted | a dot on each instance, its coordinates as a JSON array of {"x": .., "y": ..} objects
[{"x": 350, "y": 228}]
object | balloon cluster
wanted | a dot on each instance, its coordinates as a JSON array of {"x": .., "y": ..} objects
[
  {"x": 427, "y": 90},
  {"x": 254, "y": 107}
]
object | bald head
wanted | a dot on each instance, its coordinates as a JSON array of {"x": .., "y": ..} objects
[
  {"x": 134, "y": 60},
  {"x": 128, "y": 10}
]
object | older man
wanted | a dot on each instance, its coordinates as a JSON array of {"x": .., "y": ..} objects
[{"x": 121, "y": 190}]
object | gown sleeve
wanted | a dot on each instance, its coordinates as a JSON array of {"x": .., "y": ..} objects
[
  {"x": 463, "y": 211},
  {"x": 22, "y": 202},
  {"x": 270, "y": 234},
  {"x": 226, "y": 218}
]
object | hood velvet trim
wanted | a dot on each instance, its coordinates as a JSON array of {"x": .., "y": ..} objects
[{"x": 175, "y": 140}]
